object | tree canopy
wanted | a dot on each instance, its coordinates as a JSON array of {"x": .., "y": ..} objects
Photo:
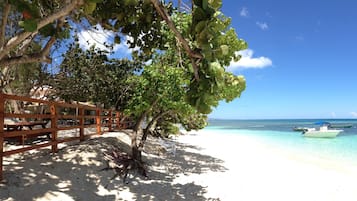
[
  {"x": 180, "y": 55},
  {"x": 205, "y": 39},
  {"x": 91, "y": 76}
]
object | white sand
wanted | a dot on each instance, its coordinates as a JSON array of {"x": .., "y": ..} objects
[{"x": 207, "y": 166}]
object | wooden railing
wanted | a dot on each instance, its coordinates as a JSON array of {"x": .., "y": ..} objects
[{"x": 54, "y": 118}]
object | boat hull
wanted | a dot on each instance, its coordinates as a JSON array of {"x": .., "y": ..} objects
[{"x": 322, "y": 134}]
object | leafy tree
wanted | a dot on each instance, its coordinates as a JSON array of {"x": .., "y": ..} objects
[
  {"x": 207, "y": 38},
  {"x": 167, "y": 91},
  {"x": 90, "y": 76},
  {"x": 203, "y": 40},
  {"x": 158, "y": 92}
]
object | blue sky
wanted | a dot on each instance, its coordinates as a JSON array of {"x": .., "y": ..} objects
[{"x": 301, "y": 61}]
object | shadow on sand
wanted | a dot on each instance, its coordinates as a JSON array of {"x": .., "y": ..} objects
[{"x": 74, "y": 173}]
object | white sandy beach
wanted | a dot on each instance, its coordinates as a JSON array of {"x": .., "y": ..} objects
[{"x": 207, "y": 166}]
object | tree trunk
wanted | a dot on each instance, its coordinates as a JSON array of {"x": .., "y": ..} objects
[
  {"x": 135, "y": 152},
  {"x": 14, "y": 105},
  {"x": 147, "y": 130},
  {"x": 135, "y": 149}
]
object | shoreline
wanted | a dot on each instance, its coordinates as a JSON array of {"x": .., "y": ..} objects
[
  {"x": 257, "y": 166},
  {"x": 206, "y": 166}
]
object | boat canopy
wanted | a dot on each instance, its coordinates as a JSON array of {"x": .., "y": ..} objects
[{"x": 322, "y": 123}]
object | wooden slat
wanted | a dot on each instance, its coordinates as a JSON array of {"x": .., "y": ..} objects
[
  {"x": 16, "y": 151},
  {"x": 62, "y": 116},
  {"x": 38, "y": 116},
  {"x": 68, "y": 128},
  {"x": 22, "y": 98},
  {"x": 90, "y": 116},
  {"x": 27, "y": 132}
]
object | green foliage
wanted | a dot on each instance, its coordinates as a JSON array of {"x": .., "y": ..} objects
[
  {"x": 48, "y": 30},
  {"x": 89, "y": 7},
  {"x": 218, "y": 44},
  {"x": 27, "y": 77},
  {"x": 29, "y": 25},
  {"x": 194, "y": 121},
  {"x": 31, "y": 7},
  {"x": 214, "y": 83},
  {"x": 169, "y": 82},
  {"x": 135, "y": 18},
  {"x": 166, "y": 128},
  {"x": 91, "y": 76}
]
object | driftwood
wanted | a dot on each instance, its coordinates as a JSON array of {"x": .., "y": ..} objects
[{"x": 122, "y": 164}]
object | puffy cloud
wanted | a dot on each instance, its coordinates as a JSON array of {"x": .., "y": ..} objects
[
  {"x": 248, "y": 61},
  {"x": 244, "y": 12},
  {"x": 262, "y": 25}
]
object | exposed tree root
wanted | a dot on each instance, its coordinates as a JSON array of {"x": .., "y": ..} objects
[{"x": 122, "y": 164}]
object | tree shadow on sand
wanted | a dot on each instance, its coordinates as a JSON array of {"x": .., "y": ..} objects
[{"x": 74, "y": 173}]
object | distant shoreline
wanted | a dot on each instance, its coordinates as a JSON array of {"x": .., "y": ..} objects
[{"x": 280, "y": 119}]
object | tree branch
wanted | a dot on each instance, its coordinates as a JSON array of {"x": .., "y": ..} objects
[
  {"x": 92, "y": 20},
  {"x": 36, "y": 57},
  {"x": 5, "y": 15},
  {"x": 165, "y": 16},
  {"x": 30, "y": 58},
  {"x": 46, "y": 50},
  {"x": 148, "y": 127},
  {"x": 13, "y": 42}
]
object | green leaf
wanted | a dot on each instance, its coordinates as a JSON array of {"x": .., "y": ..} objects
[
  {"x": 200, "y": 26},
  {"x": 197, "y": 2},
  {"x": 30, "y": 25},
  {"x": 21, "y": 23},
  {"x": 48, "y": 30},
  {"x": 204, "y": 4},
  {"x": 89, "y": 7},
  {"x": 216, "y": 4},
  {"x": 225, "y": 49}
]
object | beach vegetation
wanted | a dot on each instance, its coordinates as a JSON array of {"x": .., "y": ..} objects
[
  {"x": 186, "y": 49},
  {"x": 89, "y": 75}
]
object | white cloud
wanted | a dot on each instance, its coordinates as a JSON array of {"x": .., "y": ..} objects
[
  {"x": 100, "y": 38},
  {"x": 353, "y": 114},
  {"x": 262, "y": 25},
  {"x": 244, "y": 12},
  {"x": 248, "y": 61}
]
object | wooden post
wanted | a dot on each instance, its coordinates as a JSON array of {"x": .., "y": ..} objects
[
  {"x": 110, "y": 119},
  {"x": 54, "y": 119},
  {"x": 2, "y": 115},
  {"x": 81, "y": 123},
  {"x": 98, "y": 121}
]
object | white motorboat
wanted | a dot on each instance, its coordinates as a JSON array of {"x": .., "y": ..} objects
[{"x": 322, "y": 132}]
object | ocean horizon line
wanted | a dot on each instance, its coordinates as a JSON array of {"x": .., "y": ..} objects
[{"x": 254, "y": 119}]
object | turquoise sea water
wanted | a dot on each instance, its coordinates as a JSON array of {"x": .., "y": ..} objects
[{"x": 280, "y": 135}]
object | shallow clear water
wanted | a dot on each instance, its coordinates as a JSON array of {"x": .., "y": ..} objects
[{"x": 280, "y": 135}]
